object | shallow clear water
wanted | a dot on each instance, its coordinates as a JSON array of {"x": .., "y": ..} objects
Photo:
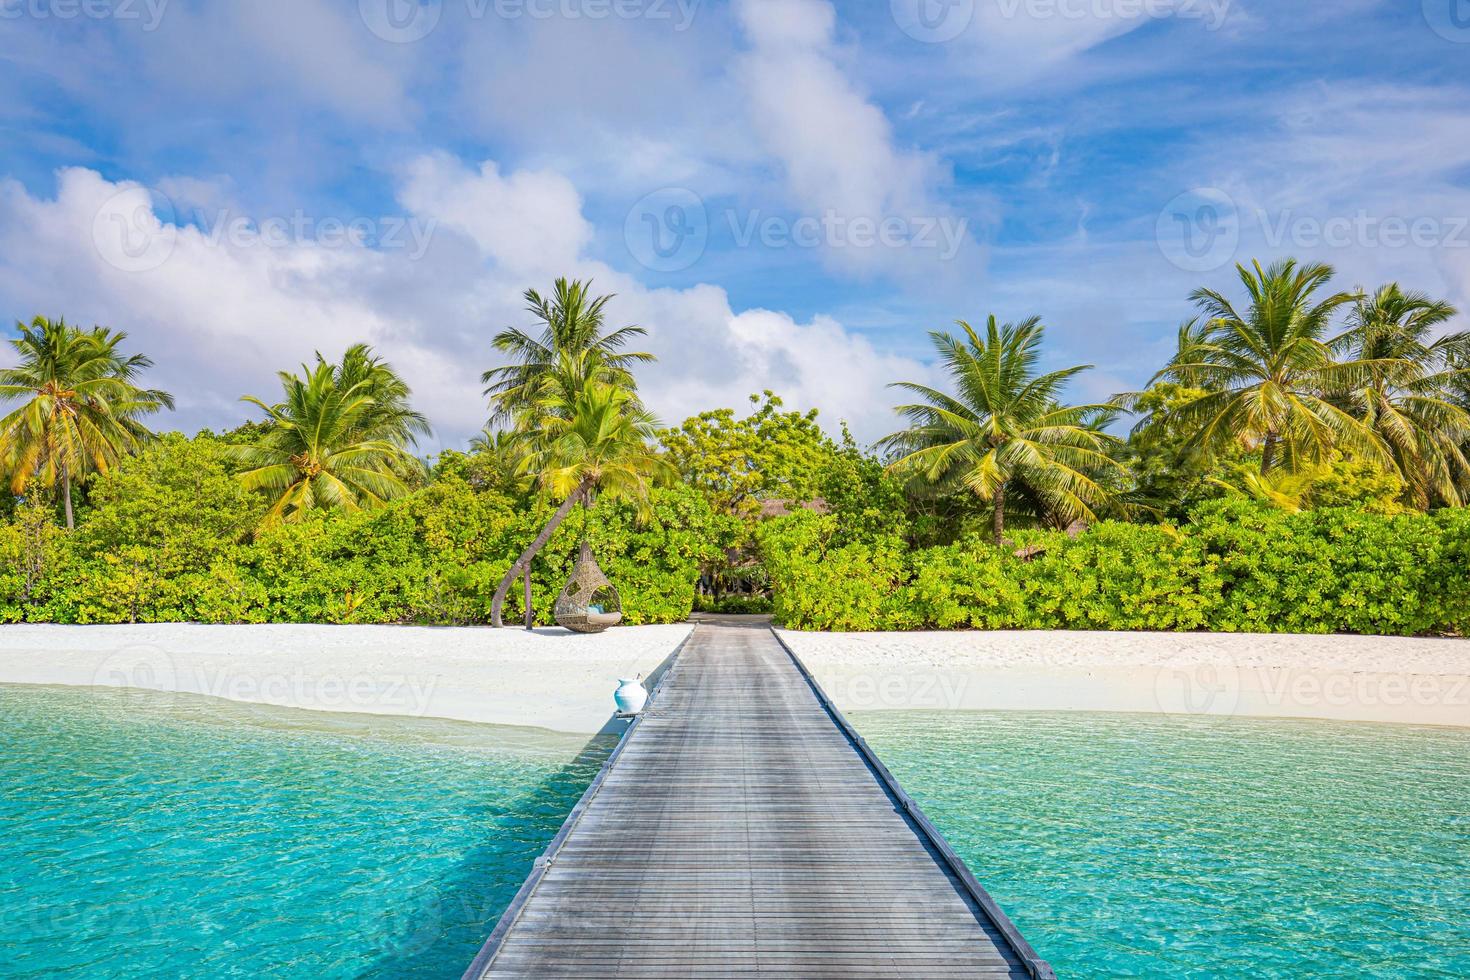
[
  {"x": 1132, "y": 846},
  {"x": 150, "y": 835}
]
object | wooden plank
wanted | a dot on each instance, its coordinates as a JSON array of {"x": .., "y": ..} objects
[{"x": 742, "y": 828}]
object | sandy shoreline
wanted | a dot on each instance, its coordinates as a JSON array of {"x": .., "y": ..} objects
[
  {"x": 1345, "y": 678},
  {"x": 547, "y": 679},
  {"x": 563, "y": 682}
]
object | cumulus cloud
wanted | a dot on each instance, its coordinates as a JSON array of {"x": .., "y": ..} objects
[
  {"x": 528, "y": 223},
  {"x": 836, "y": 147},
  {"x": 220, "y": 314}
]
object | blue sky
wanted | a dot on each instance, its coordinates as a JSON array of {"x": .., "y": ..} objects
[{"x": 237, "y": 185}]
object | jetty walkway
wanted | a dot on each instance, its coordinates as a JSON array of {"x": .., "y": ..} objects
[{"x": 742, "y": 829}]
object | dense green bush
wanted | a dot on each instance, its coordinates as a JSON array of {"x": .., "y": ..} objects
[
  {"x": 1235, "y": 567},
  {"x": 819, "y": 580},
  {"x": 166, "y": 538},
  {"x": 734, "y": 605}
]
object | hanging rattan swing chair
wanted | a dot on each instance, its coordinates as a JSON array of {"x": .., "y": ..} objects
[{"x": 589, "y": 603}]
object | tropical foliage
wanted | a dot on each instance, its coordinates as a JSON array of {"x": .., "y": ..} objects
[
  {"x": 1267, "y": 375},
  {"x": 1406, "y": 396},
  {"x": 570, "y": 350},
  {"x": 337, "y": 440},
  {"x": 81, "y": 407},
  {"x": 1004, "y": 430},
  {"x": 1299, "y": 464}
]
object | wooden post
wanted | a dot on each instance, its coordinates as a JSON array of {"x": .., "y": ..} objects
[{"x": 530, "y": 618}]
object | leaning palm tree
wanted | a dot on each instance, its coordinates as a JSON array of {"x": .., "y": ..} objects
[
  {"x": 1004, "y": 428},
  {"x": 572, "y": 326},
  {"x": 599, "y": 444},
  {"x": 82, "y": 406},
  {"x": 1268, "y": 372},
  {"x": 323, "y": 449},
  {"x": 1407, "y": 396}
]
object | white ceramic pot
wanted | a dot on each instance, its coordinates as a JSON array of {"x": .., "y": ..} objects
[{"x": 631, "y": 696}]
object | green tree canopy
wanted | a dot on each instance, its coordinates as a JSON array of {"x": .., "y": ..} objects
[
  {"x": 329, "y": 445},
  {"x": 1004, "y": 429},
  {"x": 571, "y": 349},
  {"x": 737, "y": 462},
  {"x": 81, "y": 405},
  {"x": 1268, "y": 373},
  {"x": 600, "y": 443},
  {"x": 1406, "y": 395}
]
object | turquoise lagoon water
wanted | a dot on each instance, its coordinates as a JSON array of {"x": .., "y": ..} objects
[
  {"x": 1137, "y": 846},
  {"x": 149, "y": 835}
]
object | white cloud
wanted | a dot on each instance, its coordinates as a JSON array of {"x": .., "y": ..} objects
[
  {"x": 529, "y": 223},
  {"x": 836, "y": 147},
  {"x": 317, "y": 53},
  {"x": 220, "y": 317}
]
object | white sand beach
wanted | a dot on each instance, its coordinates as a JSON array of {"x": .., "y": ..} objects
[
  {"x": 564, "y": 682},
  {"x": 1347, "y": 678},
  {"x": 548, "y": 679}
]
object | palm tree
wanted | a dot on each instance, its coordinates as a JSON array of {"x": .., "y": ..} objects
[
  {"x": 1407, "y": 397},
  {"x": 82, "y": 406},
  {"x": 498, "y": 454},
  {"x": 390, "y": 417},
  {"x": 1004, "y": 428},
  {"x": 1268, "y": 373},
  {"x": 571, "y": 340},
  {"x": 327, "y": 446},
  {"x": 599, "y": 444}
]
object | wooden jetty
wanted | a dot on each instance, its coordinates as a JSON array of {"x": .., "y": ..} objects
[{"x": 742, "y": 829}]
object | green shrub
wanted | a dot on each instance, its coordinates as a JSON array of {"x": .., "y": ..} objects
[
  {"x": 165, "y": 540},
  {"x": 1120, "y": 577},
  {"x": 733, "y": 605},
  {"x": 1236, "y": 567},
  {"x": 823, "y": 585}
]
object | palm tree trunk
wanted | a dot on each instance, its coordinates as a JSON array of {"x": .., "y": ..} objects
[
  {"x": 66, "y": 495},
  {"x": 522, "y": 565},
  {"x": 999, "y": 502},
  {"x": 1268, "y": 454}
]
